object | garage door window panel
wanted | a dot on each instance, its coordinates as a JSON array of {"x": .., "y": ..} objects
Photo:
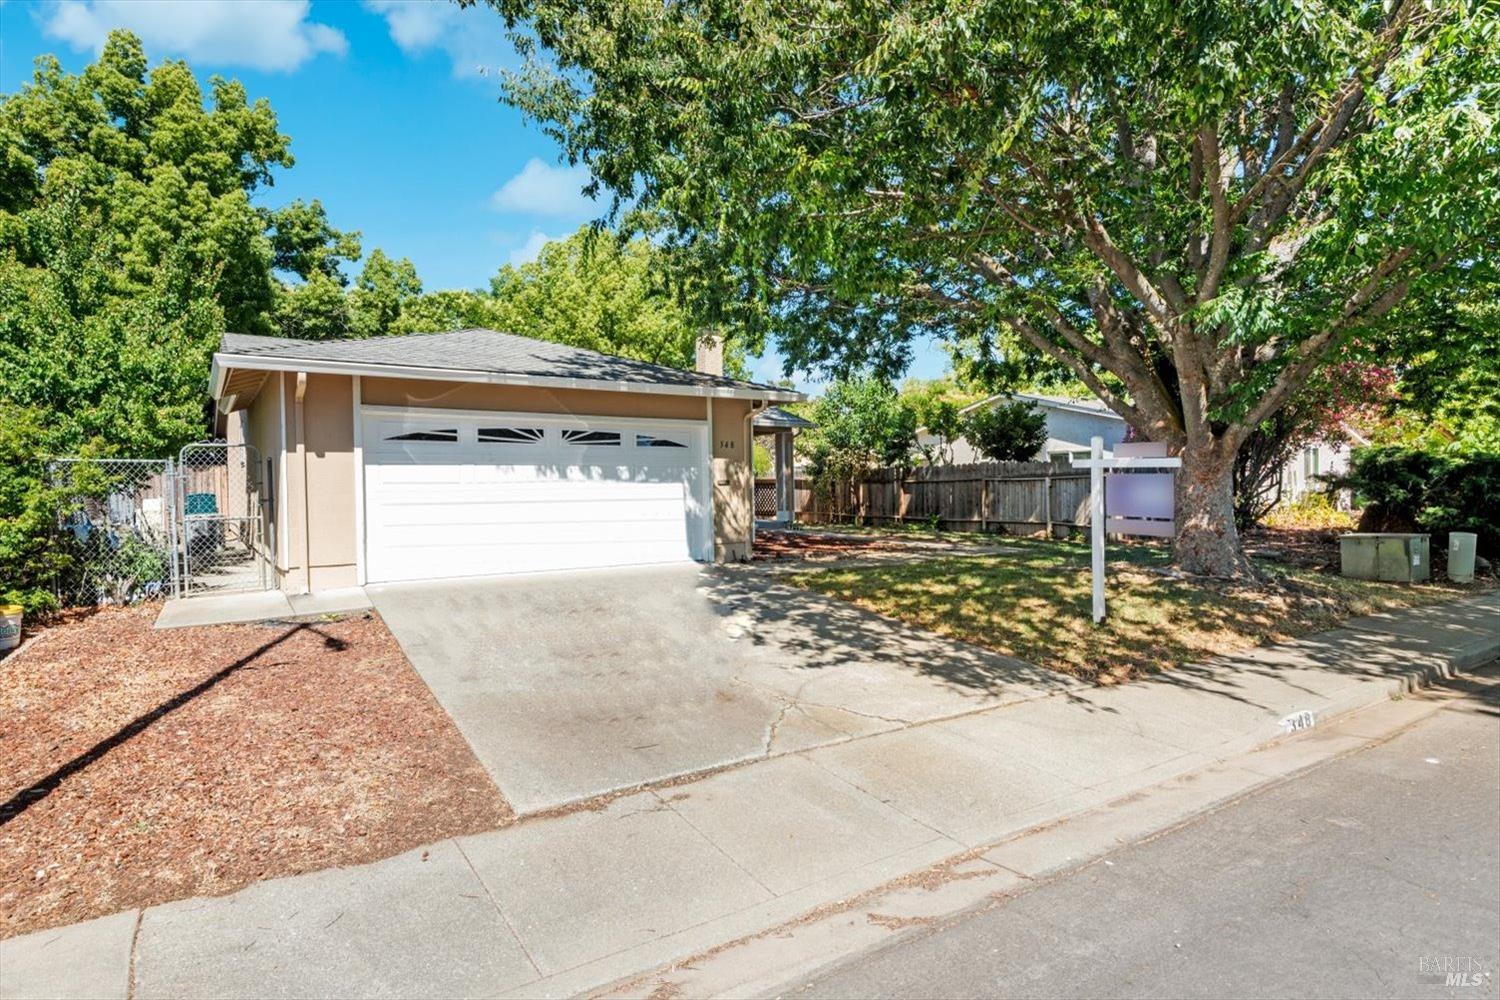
[
  {"x": 511, "y": 435},
  {"x": 591, "y": 439},
  {"x": 656, "y": 441},
  {"x": 448, "y": 435}
]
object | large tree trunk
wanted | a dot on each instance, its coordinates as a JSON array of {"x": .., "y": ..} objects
[{"x": 1207, "y": 542}]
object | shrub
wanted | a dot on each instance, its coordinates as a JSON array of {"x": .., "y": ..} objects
[
  {"x": 1405, "y": 489},
  {"x": 1315, "y": 510},
  {"x": 31, "y": 552},
  {"x": 1007, "y": 432}
]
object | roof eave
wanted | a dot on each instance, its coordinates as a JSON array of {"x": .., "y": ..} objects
[
  {"x": 1055, "y": 404},
  {"x": 223, "y": 362}
]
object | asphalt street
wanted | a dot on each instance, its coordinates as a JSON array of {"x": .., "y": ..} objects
[{"x": 1374, "y": 875}]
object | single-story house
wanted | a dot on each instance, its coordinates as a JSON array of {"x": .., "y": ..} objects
[
  {"x": 475, "y": 452},
  {"x": 1071, "y": 424}
]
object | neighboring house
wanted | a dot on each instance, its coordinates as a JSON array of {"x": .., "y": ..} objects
[
  {"x": 1303, "y": 471},
  {"x": 1071, "y": 423},
  {"x": 475, "y": 452}
]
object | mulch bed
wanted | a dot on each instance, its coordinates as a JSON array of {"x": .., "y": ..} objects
[
  {"x": 1318, "y": 548},
  {"x": 1310, "y": 548},
  {"x": 139, "y": 766},
  {"x": 775, "y": 545}
]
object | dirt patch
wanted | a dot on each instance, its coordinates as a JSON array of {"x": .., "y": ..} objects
[
  {"x": 772, "y": 546},
  {"x": 139, "y": 766},
  {"x": 1309, "y": 548}
]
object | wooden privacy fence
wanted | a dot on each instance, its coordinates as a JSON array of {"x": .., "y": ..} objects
[{"x": 1020, "y": 497}]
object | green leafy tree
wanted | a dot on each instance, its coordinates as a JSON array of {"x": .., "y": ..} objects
[
  {"x": 1006, "y": 432},
  {"x": 461, "y": 309},
  {"x": 165, "y": 174},
  {"x": 315, "y": 309},
  {"x": 591, "y": 290},
  {"x": 1450, "y": 386},
  {"x": 862, "y": 423},
  {"x": 303, "y": 242},
  {"x": 127, "y": 242},
  {"x": 381, "y": 292},
  {"x": 937, "y": 404},
  {"x": 1189, "y": 206}
]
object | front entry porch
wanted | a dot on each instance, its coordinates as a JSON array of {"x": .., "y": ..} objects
[{"x": 776, "y": 495}]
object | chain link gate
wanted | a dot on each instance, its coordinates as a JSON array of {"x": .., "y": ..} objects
[{"x": 220, "y": 524}]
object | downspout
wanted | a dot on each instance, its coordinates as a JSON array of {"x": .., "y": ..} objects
[{"x": 298, "y": 412}]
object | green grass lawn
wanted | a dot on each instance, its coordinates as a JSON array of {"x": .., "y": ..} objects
[{"x": 1036, "y": 605}]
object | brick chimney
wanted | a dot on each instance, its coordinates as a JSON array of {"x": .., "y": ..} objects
[{"x": 710, "y": 355}]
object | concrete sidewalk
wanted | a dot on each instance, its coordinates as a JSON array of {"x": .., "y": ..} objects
[{"x": 555, "y": 906}]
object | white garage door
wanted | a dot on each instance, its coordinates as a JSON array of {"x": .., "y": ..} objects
[{"x": 474, "y": 494}]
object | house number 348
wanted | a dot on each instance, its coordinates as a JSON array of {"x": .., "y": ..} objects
[{"x": 726, "y": 445}]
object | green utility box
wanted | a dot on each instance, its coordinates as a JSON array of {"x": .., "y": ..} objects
[{"x": 1385, "y": 556}]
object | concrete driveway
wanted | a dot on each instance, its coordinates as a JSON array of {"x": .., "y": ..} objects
[{"x": 571, "y": 685}]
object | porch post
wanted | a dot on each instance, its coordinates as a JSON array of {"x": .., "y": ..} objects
[{"x": 785, "y": 486}]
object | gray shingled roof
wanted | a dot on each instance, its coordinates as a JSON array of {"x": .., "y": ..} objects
[
  {"x": 488, "y": 351},
  {"x": 776, "y": 417}
]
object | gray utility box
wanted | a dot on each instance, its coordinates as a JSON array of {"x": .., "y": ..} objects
[
  {"x": 1385, "y": 556},
  {"x": 1461, "y": 551}
]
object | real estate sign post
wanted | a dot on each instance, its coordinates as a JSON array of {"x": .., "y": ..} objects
[{"x": 1127, "y": 505}]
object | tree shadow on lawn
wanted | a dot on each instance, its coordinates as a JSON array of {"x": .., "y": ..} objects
[
  {"x": 39, "y": 790},
  {"x": 804, "y": 631},
  {"x": 1033, "y": 610}
]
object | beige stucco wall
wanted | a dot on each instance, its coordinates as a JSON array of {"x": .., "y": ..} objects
[
  {"x": 323, "y": 443},
  {"x": 328, "y": 447},
  {"x": 262, "y": 431},
  {"x": 733, "y": 479}
]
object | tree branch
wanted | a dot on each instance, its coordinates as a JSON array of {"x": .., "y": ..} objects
[
  {"x": 1220, "y": 235},
  {"x": 1365, "y": 303}
]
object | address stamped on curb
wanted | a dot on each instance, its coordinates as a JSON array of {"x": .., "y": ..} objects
[{"x": 1298, "y": 721}]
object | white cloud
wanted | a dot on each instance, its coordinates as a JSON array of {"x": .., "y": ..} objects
[
  {"x": 532, "y": 248},
  {"x": 474, "y": 39},
  {"x": 270, "y": 35},
  {"x": 541, "y": 189}
]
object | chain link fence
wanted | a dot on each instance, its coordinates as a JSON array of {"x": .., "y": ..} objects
[
  {"x": 115, "y": 516},
  {"x": 134, "y": 529}
]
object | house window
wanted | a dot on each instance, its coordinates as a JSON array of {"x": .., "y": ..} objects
[
  {"x": 652, "y": 441},
  {"x": 607, "y": 439},
  {"x": 511, "y": 435},
  {"x": 441, "y": 434}
]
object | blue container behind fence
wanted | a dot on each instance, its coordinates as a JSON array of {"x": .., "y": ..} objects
[{"x": 202, "y": 503}]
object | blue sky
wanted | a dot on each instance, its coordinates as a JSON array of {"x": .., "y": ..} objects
[{"x": 393, "y": 110}]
